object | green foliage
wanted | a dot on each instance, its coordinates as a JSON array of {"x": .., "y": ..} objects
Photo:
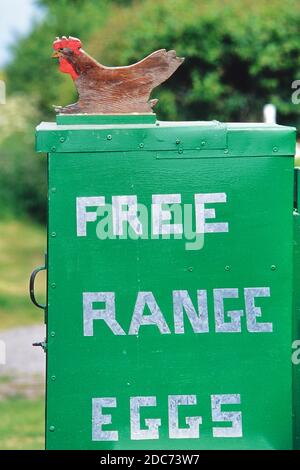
[
  {"x": 239, "y": 54},
  {"x": 32, "y": 71},
  {"x": 35, "y": 76},
  {"x": 23, "y": 174},
  {"x": 23, "y": 177}
]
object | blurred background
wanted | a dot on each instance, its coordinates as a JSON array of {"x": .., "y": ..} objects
[{"x": 240, "y": 55}]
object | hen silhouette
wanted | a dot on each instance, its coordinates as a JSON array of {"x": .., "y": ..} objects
[{"x": 110, "y": 90}]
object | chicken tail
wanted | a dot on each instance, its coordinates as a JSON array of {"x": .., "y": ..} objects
[{"x": 160, "y": 65}]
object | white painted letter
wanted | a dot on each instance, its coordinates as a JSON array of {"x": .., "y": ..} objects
[
  {"x": 121, "y": 215},
  {"x": 135, "y": 419},
  {"x": 235, "y": 417},
  {"x": 193, "y": 423},
  {"x": 160, "y": 215},
  {"x": 253, "y": 312},
  {"x": 156, "y": 317},
  {"x": 182, "y": 302},
  {"x": 234, "y": 326},
  {"x": 202, "y": 214},
  {"x": 100, "y": 419},
  {"x": 83, "y": 216},
  {"x": 107, "y": 314}
]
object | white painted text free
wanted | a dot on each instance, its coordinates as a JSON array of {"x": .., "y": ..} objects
[{"x": 126, "y": 212}]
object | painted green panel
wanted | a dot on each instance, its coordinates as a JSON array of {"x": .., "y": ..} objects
[
  {"x": 255, "y": 252},
  {"x": 181, "y": 139},
  {"x": 142, "y": 137},
  {"x": 296, "y": 324},
  {"x": 69, "y": 119}
]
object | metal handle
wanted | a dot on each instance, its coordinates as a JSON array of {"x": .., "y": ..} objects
[{"x": 31, "y": 286}]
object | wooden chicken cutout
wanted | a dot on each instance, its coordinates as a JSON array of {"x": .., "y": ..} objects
[{"x": 112, "y": 90}]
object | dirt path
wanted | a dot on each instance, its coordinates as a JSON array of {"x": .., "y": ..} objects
[{"x": 24, "y": 370}]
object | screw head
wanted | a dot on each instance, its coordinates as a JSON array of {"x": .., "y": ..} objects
[
  {"x": 227, "y": 268},
  {"x": 52, "y": 333},
  {"x": 53, "y": 285},
  {"x": 62, "y": 139},
  {"x": 275, "y": 149},
  {"x": 273, "y": 267},
  {"x": 53, "y": 234},
  {"x": 53, "y": 190},
  {"x": 190, "y": 269},
  {"x": 53, "y": 377},
  {"x": 226, "y": 151},
  {"x": 52, "y": 428},
  {"x": 203, "y": 143},
  {"x": 177, "y": 141},
  {"x": 109, "y": 137},
  {"x": 141, "y": 145},
  {"x": 53, "y": 149},
  {"x": 180, "y": 151}
]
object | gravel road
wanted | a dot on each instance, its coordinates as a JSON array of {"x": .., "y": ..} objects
[{"x": 24, "y": 370}]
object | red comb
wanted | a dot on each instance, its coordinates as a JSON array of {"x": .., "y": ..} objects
[{"x": 70, "y": 43}]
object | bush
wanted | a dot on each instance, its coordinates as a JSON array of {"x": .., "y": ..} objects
[{"x": 23, "y": 173}]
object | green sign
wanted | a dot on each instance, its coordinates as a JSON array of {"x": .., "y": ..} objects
[{"x": 169, "y": 320}]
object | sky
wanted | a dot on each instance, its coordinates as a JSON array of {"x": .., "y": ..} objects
[{"x": 15, "y": 19}]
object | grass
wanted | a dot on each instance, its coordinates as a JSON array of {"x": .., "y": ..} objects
[
  {"x": 22, "y": 424},
  {"x": 22, "y": 248}
]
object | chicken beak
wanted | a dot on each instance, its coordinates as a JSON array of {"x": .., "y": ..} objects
[{"x": 56, "y": 55}]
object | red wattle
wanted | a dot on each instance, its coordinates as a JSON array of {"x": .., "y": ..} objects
[{"x": 66, "y": 67}]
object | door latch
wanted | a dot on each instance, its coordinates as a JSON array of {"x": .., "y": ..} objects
[{"x": 41, "y": 344}]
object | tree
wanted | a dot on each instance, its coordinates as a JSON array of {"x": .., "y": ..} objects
[
  {"x": 31, "y": 70},
  {"x": 239, "y": 54}
]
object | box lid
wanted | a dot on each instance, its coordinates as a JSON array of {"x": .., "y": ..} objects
[{"x": 102, "y": 133}]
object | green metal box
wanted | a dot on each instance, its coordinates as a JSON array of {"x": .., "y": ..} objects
[{"x": 170, "y": 284}]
